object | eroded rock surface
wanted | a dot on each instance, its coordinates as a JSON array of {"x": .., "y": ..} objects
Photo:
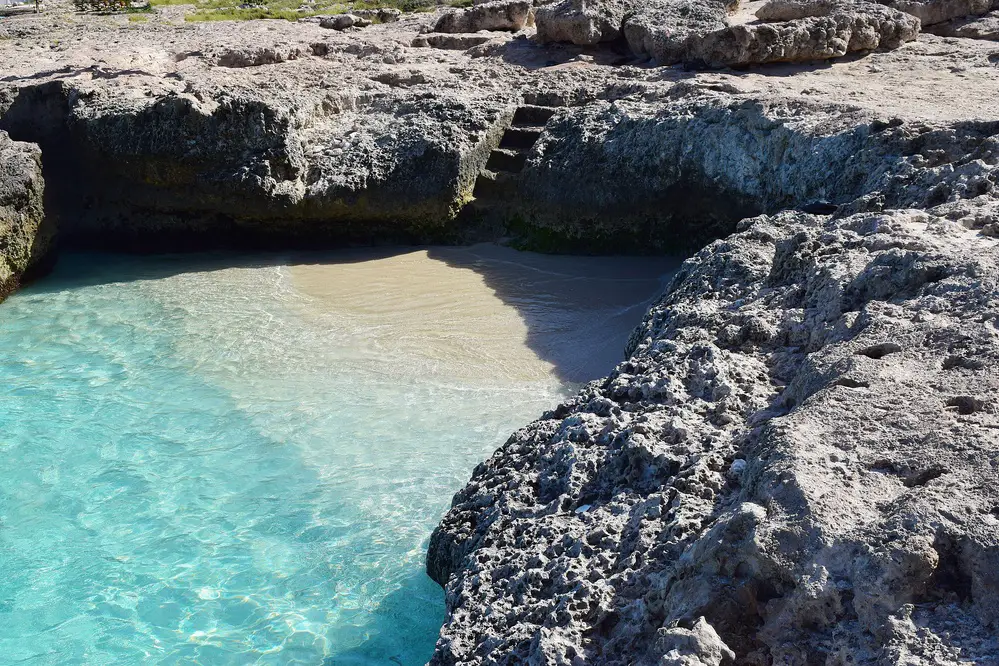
[
  {"x": 702, "y": 32},
  {"x": 509, "y": 15},
  {"x": 23, "y": 238},
  {"x": 645, "y": 165},
  {"x": 795, "y": 465},
  {"x": 931, "y": 12},
  {"x": 970, "y": 27}
]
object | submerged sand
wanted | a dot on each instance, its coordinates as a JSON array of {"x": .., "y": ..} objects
[{"x": 486, "y": 310}]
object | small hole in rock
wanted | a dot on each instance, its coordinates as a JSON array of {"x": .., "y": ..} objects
[
  {"x": 880, "y": 350},
  {"x": 924, "y": 477},
  {"x": 851, "y": 383},
  {"x": 965, "y": 404}
]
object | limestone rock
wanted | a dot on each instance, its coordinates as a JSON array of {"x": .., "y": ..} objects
[
  {"x": 803, "y": 31},
  {"x": 671, "y": 32},
  {"x": 931, "y": 12},
  {"x": 218, "y": 158},
  {"x": 344, "y": 21},
  {"x": 584, "y": 22},
  {"x": 969, "y": 27},
  {"x": 840, "y": 534},
  {"x": 730, "y": 466},
  {"x": 380, "y": 15},
  {"x": 452, "y": 41},
  {"x": 510, "y": 15},
  {"x": 790, "y": 10},
  {"x": 23, "y": 238},
  {"x": 254, "y": 56},
  {"x": 698, "y": 646},
  {"x": 642, "y": 166}
]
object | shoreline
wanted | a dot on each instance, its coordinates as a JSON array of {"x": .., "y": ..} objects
[{"x": 794, "y": 463}]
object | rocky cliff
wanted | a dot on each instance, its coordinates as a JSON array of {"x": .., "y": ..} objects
[
  {"x": 24, "y": 239},
  {"x": 795, "y": 465}
]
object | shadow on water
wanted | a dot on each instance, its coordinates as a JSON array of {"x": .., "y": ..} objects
[
  {"x": 414, "y": 609},
  {"x": 578, "y": 311}
]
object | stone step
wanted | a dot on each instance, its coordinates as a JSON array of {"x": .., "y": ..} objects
[
  {"x": 507, "y": 159},
  {"x": 520, "y": 137},
  {"x": 496, "y": 186},
  {"x": 529, "y": 114}
]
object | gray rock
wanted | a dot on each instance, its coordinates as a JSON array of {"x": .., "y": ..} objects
[
  {"x": 204, "y": 162},
  {"x": 799, "y": 446},
  {"x": 811, "y": 31},
  {"x": 509, "y": 15},
  {"x": 931, "y": 12},
  {"x": 846, "y": 534},
  {"x": 697, "y": 646},
  {"x": 254, "y": 56},
  {"x": 584, "y": 22},
  {"x": 636, "y": 169},
  {"x": 24, "y": 240},
  {"x": 380, "y": 15},
  {"x": 969, "y": 27},
  {"x": 671, "y": 32},
  {"x": 790, "y": 10},
  {"x": 344, "y": 21}
]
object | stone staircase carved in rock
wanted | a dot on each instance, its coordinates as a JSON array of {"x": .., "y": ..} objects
[{"x": 497, "y": 185}]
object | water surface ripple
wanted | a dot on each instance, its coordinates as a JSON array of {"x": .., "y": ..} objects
[{"x": 239, "y": 460}]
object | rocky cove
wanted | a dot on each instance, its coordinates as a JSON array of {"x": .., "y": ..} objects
[{"x": 796, "y": 461}]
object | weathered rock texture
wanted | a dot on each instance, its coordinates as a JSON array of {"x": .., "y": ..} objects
[
  {"x": 700, "y": 32},
  {"x": 232, "y": 161},
  {"x": 23, "y": 237},
  {"x": 931, "y": 12},
  {"x": 649, "y": 166},
  {"x": 584, "y": 22},
  {"x": 970, "y": 27},
  {"x": 499, "y": 15},
  {"x": 796, "y": 465}
]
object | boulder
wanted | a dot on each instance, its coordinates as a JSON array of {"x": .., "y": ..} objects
[
  {"x": 969, "y": 27},
  {"x": 931, "y": 12},
  {"x": 696, "y": 32},
  {"x": 670, "y": 32},
  {"x": 789, "y": 10},
  {"x": 23, "y": 239},
  {"x": 846, "y": 28},
  {"x": 509, "y": 15},
  {"x": 381, "y": 15},
  {"x": 344, "y": 21},
  {"x": 583, "y": 22}
]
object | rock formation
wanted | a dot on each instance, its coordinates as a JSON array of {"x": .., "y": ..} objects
[
  {"x": 795, "y": 463},
  {"x": 498, "y": 15},
  {"x": 24, "y": 239},
  {"x": 703, "y": 32}
]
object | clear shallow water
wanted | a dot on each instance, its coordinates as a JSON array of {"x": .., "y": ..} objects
[{"x": 230, "y": 465}]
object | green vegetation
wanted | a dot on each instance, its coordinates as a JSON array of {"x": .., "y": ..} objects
[
  {"x": 248, "y": 10},
  {"x": 240, "y": 10}
]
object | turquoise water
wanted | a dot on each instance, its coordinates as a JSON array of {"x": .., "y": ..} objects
[{"x": 202, "y": 464}]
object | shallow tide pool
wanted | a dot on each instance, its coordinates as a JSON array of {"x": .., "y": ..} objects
[{"x": 239, "y": 460}]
